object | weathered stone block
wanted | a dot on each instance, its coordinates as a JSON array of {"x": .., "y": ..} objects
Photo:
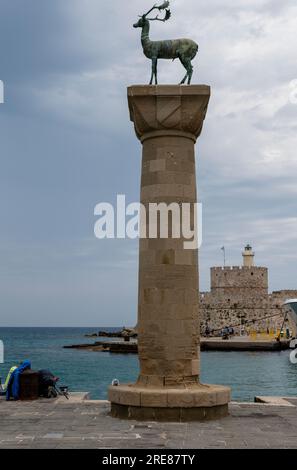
[
  {"x": 151, "y": 399},
  {"x": 157, "y": 165}
]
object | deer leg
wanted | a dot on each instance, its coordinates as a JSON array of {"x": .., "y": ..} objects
[
  {"x": 155, "y": 67},
  {"x": 154, "y": 70},
  {"x": 184, "y": 63},
  {"x": 190, "y": 74},
  {"x": 184, "y": 79},
  {"x": 189, "y": 67},
  {"x": 152, "y": 76}
]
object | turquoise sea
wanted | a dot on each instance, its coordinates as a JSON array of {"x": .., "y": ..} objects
[{"x": 249, "y": 374}]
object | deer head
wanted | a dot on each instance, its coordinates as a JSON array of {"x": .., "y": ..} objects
[{"x": 144, "y": 18}]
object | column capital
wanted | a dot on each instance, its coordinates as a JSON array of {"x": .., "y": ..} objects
[{"x": 175, "y": 109}]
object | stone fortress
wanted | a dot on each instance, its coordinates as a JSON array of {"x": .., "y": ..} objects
[{"x": 239, "y": 297}]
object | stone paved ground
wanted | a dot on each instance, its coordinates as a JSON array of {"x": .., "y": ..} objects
[{"x": 86, "y": 424}]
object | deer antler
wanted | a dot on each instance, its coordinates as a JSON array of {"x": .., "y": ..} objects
[
  {"x": 167, "y": 16},
  {"x": 164, "y": 6}
]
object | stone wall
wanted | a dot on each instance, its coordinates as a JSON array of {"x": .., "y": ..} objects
[
  {"x": 278, "y": 297},
  {"x": 239, "y": 277}
]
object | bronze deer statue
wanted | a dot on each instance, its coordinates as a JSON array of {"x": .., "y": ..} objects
[{"x": 183, "y": 49}]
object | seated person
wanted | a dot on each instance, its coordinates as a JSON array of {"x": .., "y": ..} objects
[{"x": 3, "y": 388}]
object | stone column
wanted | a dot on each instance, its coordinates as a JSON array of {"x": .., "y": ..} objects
[{"x": 168, "y": 120}]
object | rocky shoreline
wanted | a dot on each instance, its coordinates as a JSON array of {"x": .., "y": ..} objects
[
  {"x": 121, "y": 347},
  {"x": 124, "y": 333}
]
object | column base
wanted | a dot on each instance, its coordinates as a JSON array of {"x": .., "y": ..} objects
[{"x": 198, "y": 403}]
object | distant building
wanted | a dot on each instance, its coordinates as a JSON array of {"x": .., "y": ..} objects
[{"x": 239, "y": 296}]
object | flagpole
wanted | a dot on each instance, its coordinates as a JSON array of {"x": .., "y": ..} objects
[{"x": 224, "y": 251}]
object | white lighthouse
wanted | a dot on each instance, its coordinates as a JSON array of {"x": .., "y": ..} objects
[{"x": 248, "y": 257}]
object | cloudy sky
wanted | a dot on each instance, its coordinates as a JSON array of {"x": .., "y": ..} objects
[{"x": 66, "y": 144}]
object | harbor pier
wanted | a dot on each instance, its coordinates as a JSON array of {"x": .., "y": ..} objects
[{"x": 86, "y": 424}]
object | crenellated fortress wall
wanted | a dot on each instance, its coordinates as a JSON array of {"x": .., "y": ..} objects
[{"x": 239, "y": 294}]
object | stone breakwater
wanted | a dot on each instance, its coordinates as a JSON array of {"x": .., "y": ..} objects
[
  {"x": 119, "y": 347},
  {"x": 206, "y": 344}
]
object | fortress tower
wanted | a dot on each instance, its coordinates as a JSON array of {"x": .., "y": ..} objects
[
  {"x": 239, "y": 278},
  {"x": 240, "y": 283},
  {"x": 240, "y": 293}
]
